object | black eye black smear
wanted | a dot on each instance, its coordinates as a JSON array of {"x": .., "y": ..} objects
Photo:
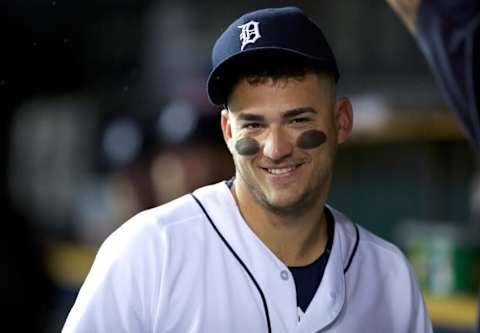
[
  {"x": 247, "y": 146},
  {"x": 311, "y": 139},
  {"x": 307, "y": 140}
]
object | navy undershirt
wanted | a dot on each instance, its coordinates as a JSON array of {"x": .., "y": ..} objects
[{"x": 308, "y": 278}]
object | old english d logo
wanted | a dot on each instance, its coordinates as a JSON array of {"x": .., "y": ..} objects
[{"x": 250, "y": 33}]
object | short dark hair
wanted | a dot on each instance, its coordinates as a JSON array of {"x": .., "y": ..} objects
[{"x": 258, "y": 69}]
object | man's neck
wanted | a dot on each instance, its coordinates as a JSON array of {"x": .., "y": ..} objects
[{"x": 297, "y": 240}]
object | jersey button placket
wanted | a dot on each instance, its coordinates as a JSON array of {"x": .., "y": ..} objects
[{"x": 284, "y": 275}]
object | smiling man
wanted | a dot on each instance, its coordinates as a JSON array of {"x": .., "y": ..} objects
[
  {"x": 261, "y": 252},
  {"x": 282, "y": 130},
  {"x": 288, "y": 123}
]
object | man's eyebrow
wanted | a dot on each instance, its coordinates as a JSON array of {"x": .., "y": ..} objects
[
  {"x": 296, "y": 112},
  {"x": 250, "y": 117},
  {"x": 285, "y": 115}
]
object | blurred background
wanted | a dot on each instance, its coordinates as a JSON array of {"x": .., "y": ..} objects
[{"x": 104, "y": 113}]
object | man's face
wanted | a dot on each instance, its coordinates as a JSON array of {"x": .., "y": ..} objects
[{"x": 283, "y": 137}]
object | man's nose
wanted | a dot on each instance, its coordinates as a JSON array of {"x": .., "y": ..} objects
[{"x": 277, "y": 145}]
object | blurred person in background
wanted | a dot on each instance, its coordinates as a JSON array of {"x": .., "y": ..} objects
[
  {"x": 448, "y": 34},
  {"x": 188, "y": 156},
  {"x": 251, "y": 253}
]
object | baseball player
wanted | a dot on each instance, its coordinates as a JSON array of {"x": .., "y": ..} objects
[{"x": 263, "y": 251}]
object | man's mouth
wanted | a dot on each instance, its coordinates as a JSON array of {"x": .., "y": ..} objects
[{"x": 281, "y": 170}]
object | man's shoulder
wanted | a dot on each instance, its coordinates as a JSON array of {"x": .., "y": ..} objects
[
  {"x": 369, "y": 245},
  {"x": 379, "y": 244},
  {"x": 177, "y": 211},
  {"x": 378, "y": 270},
  {"x": 144, "y": 235},
  {"x": 384, "y": 257},
  {"x": 148, "y": 225}
]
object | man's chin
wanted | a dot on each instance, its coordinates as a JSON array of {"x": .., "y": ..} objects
[{"x": 288, "y": 208}]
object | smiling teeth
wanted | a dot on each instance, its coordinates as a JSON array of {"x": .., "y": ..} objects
[{"x": 280, "y": 171}]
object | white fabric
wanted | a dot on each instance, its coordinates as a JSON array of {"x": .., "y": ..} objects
[{"x": 166, "y": 270}]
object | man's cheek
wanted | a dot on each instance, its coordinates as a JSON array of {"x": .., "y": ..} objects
[
  {"x": 247, "y": 146},
  {"x": 311, "y": 139}
]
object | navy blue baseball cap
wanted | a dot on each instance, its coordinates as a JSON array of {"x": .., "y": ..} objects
[{"x": 268, "y": 34}]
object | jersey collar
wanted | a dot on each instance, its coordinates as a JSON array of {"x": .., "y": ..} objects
[{"x": 268, "y": 270}]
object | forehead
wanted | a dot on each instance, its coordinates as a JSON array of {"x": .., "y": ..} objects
[{"x": 277, "y": 95}]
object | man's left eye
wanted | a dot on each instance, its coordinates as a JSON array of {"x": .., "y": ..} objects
[{"x": 300, "y": 120}]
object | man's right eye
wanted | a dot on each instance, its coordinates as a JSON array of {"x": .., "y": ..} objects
[{"x": 251, "y": 126}]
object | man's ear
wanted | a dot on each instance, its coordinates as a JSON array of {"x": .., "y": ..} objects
[
  {"x": 343, "y": 118},
  {"x": 226, "y": 128}
]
